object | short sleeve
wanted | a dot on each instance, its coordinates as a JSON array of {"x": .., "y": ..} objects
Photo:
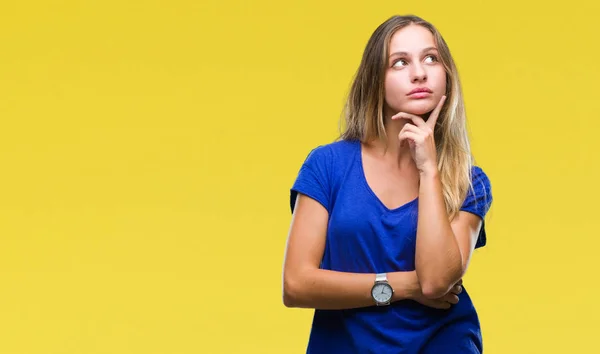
[
  {"x": 479, "y": 200},
  {"x": 313, "y": 179}
]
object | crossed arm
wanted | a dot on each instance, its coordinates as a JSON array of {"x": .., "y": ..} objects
[{"x": 435, "y": 283}]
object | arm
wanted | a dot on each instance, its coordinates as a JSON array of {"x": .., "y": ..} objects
[
  {"x": 443, "y": 249},
  {"x": 307, "y": 286}
]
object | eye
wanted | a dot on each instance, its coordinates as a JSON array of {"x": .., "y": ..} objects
[
  {"x": 402, "y": 62},
  {"x": 431, "y": 58}
]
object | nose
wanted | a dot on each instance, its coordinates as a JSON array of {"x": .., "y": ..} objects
[{"x": 418, "y": 73}]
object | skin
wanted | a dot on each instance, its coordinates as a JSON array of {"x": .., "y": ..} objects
[
  {"x": 405, "y": 170},
  {"x": 413, "y": 62},
  {"x": 444, "y": 248}
]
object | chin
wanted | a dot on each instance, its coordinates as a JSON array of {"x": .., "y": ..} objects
[{"x": 420, "y": 107}]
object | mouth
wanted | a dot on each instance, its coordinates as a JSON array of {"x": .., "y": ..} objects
[
  {"x": 420, "y": 90},
  {"x": 420, "y": 95}
]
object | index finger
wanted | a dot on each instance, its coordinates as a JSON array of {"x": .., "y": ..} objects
[{"x": 433, "y": 117}]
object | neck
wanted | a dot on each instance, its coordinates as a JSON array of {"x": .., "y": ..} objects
[{"x": 390, "y": 148}]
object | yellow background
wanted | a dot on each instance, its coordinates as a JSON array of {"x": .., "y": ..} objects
[{"x": 147, "y": 150}]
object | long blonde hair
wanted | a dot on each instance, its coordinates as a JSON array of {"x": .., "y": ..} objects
[{"x": 364, "y": 117}]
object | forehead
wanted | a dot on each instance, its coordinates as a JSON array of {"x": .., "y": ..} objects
[{"x": 411, "y": 39}]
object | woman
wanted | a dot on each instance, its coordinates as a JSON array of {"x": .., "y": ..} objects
[{"x": 386, "y": 218}]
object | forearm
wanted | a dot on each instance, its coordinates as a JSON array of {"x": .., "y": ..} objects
[
  {"x": 438, "y": 259},
  {"x": 326, "y": 289}
]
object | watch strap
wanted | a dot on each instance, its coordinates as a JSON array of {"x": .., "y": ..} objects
[{"x": 381, "y": 277}]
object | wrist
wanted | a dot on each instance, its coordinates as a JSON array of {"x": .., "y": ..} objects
[
  {"x": 405, "y": 284},
  {"x": 429, "y": 171}
]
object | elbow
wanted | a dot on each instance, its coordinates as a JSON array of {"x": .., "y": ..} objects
[
  {"x": 434, "y": 287},
  {"x": 290, "y": 292},
  {"x": 434, "y": 290},
  {"x": 289, "y": 299},
  {"x": 439, "y": 283}
]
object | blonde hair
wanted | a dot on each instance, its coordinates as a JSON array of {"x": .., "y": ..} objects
[{"x": 364, "y": 109}]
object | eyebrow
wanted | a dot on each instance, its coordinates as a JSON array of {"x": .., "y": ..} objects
[{"x": 405, "y": 53}]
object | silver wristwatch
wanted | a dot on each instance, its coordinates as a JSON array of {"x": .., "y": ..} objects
[{"x": 382, "y": 291}]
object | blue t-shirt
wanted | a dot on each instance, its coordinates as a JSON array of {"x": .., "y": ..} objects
[{"x": 364, "y": 236}]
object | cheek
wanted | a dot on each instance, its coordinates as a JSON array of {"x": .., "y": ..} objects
[
  {"x": 393, "y": 91},
  {"x": 440, "y": 80}
]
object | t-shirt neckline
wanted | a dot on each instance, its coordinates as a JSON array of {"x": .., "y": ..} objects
[{"x": 363, "y": 178}]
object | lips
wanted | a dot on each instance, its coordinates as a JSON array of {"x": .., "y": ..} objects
[{"x": 420, "y": 90}]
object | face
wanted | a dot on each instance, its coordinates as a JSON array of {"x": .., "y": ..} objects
[{"x": 413, "y": 64}]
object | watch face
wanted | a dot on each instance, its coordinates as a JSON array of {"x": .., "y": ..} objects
[{"x": 382, "y": 292}]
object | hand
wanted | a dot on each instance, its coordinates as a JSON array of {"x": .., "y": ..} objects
[
  {"x": 444, "y": 302},
  {"x": 418, "y": 134}
]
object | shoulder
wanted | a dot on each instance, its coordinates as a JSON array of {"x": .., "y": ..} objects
[
  {"x": 479, "y": 200},
  {"x": 332, "y": 153},
  {"x": 337, "y": 147},
  {"x": 480, "y": 179},
  {"x": 320, "y": 174},
  {"x": 479, "y": 195},
  {"x": 477, "y": 171}
]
